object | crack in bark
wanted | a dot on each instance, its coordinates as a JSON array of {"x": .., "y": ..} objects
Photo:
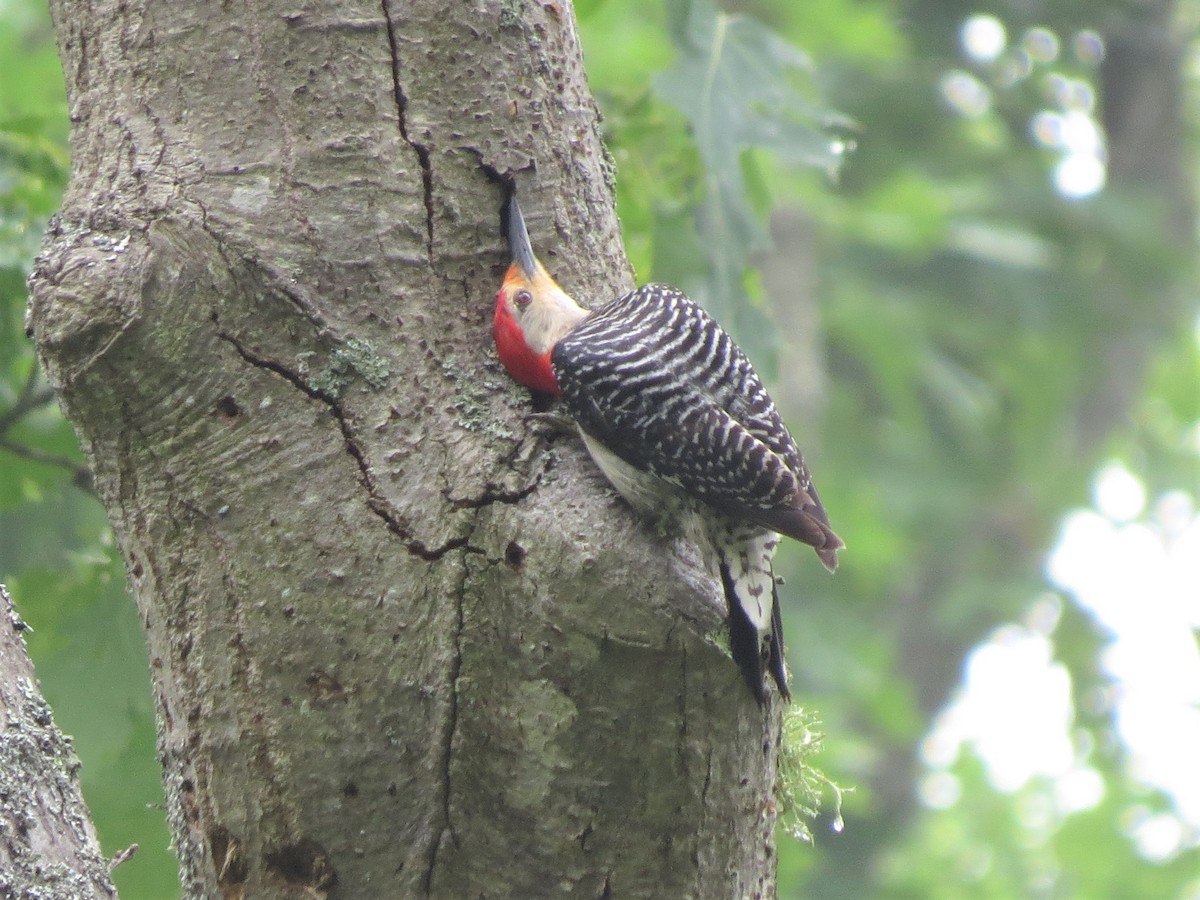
[
  {"x": 280, "y": 280},
  {"x": 491, "y": 496},
  {"x": 683, "y": 750},
  {"x": 422, "y": 151},
  {"x": 450, "y": 725},
  {"x": 449, "y": 728},
  {"x": 380, "y": 506},
  {"x": 376, "y": 502}
]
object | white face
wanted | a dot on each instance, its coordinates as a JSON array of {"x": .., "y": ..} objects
[{"x": 543, "y": 311}]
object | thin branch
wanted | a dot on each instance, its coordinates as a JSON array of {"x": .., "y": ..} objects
[
  {"x": 31, "y": 398},
  {"x": 28, "y": 400},
  {"x": 81, "y": 475},
  {"x": 123, "y": 856}
]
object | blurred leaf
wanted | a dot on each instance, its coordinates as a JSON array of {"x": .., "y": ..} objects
[{"x": 740, "y": 86}]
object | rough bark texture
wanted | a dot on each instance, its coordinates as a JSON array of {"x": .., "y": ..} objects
[
  {"x": 48, "y": 847},
  {"x": 403, "y": 644}
]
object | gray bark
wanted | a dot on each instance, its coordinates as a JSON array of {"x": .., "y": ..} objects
[
  {"x": 403, "y": 644},
  {"x": 48, "y": 846}
]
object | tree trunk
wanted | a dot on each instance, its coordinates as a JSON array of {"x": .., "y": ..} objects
[
  {"x": 403, "y": 644},
  {"x": 48, "y": 846}
]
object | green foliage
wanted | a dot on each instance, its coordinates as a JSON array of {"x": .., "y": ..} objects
[
  {"x": 31, "y": 175},
  {"x": 739, "y": 86}
]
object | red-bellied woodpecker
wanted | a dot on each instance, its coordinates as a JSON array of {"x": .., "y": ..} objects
[{"x": 676, "y": 418}]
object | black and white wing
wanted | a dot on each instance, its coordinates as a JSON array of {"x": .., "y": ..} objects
[{"x": 659, "y": 383}]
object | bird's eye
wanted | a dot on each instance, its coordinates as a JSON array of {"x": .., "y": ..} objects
[{"x": 522, "y": 298}]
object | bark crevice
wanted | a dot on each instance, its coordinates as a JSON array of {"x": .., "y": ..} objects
[
  {"x": 376, "y": 502},
  {"x": 449, "y": 728},
  {"x": 421, "y": 150}
]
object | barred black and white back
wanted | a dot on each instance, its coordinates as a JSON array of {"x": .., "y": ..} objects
[{"x": 658, "y": 388}]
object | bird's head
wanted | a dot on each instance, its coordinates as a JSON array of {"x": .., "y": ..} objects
[{"x": 532, "y": 311}]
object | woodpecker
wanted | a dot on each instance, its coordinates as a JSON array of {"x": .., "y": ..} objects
[{"x": 676, "y": 418}]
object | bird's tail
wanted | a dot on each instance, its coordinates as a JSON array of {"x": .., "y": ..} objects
[{"x": 755, "y": 626}]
